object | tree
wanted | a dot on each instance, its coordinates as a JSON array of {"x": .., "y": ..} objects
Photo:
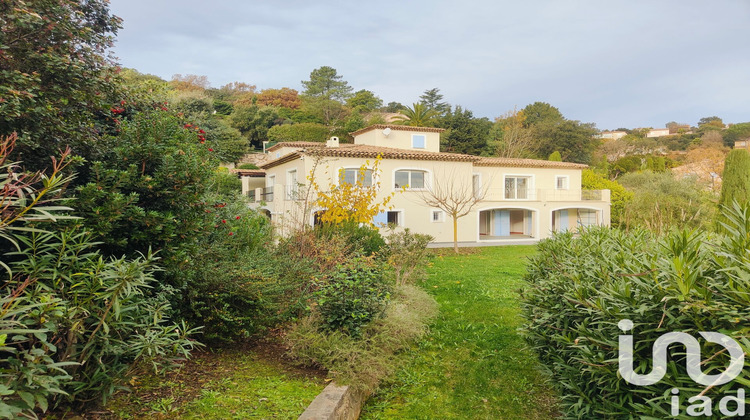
[
  {"x": 284, "y": 97},
  {"x": 326, "y": 83},
  {"x": 555, "y": 157},
  {"x": 190, "y": 82},
  {"x": 299, "y": 132},
  {"x": 463, "y": 132},
  {"x": 394, "y": 107},
  {"x": 512, "y": 139},
  {"x": 364, "y": 101},
  {"x": 456, "y": 196},
  {"x": 419, "y": 115},
  {"x": 56, "y": 83},
  {"x": 736, "y": 132},
  {"x": 351, "y": 202},
  {"x": 574, "y": 140},
  {"x": 431, "y": 98},
  {"x": 254, "y": 122},
  {"x": 146, "y": 192},
  {"x": 735, "y": 182},
  {"x": 713, "y": 121},
  {"x": 325, "y": 94},
  {"x": 541, "y": 113}
]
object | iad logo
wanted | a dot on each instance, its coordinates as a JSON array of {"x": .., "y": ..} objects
[{"x": 693, "y": 365}]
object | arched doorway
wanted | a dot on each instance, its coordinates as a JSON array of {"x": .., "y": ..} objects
[{"x": 507, "y": 223}]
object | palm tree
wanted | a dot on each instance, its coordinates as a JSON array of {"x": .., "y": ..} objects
[{"x": 419, "y": 115}]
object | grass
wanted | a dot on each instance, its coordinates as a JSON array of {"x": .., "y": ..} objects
[
  {"x": 473, "y": 364},
  {"x": 228, "y": 384}
]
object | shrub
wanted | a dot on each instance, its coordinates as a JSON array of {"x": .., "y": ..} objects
[
  {"x": 406, "y": 253},
  {"x": 71, "y": 321},
  {"x": 226, "y": 184},
  {"x": 228, "y": 293},
  {"x": 247, "y": 166},
  {"x": 299, "y": 132},
  {"x": 579, "y": 289},
  {"x": 361, "y": 238},
  {"x": 363, "y": 361},
  {"x": 354, "y": 295},
  {"x": 619, "y": 195},
  {"x": 661, "y": 202}
]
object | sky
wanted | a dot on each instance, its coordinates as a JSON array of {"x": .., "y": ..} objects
[{"x": 616, "y": 63}]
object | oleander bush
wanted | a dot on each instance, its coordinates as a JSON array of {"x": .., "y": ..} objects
[
  {"x": 72, "y": 321},
  {"x": 579, "y": 288}
]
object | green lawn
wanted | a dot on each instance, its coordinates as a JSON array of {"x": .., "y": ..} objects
[
  {"x": 229, "y": 384},
  {"x": 473, "y": 364}
]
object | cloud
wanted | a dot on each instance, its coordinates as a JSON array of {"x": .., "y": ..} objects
[{"x": 617, "y": 63}]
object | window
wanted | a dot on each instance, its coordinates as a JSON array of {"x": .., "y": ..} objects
[
  {"x": 418, "y": 141},
  {"x": 438, "y": 216},
  {"x": 292, "y": 187},
  {"x": 278, "y": 155},
  {"x": 410, "y": 179},
  {"x": 476, "y": 184},
  {"x": 586, "y": 217},
  {"x": 517, "y": 187},
  {"x": 352, "y": 175},
  {"x": 394, "y": 218},
  {"x": 561, "y": 182}
]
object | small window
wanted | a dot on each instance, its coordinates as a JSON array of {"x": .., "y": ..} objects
[
  {"x": 410, "y": 179},
  {"x": 418, "y": 141},
  {"x": 438, "y": 216},
  {"x": 476, "y": 185},
  {"x": 352, "y": 176},
  {"x": 561, "y": 182},
  {"x": 278, "y": 155},
  {"x": 394, "y": 218}
]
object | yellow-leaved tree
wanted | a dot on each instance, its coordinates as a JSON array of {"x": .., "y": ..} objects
[{"x": 354, "y": 197}]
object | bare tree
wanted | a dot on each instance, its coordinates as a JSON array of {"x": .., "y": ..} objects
[
  {"x": 514, "y": 139},
  {"x": 455, "y": 195}
]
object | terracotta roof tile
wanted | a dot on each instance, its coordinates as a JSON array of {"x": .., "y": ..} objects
[
  {"x": 296, "y": 144},
  {"x": 371, "y": 152},
  {"x": 255, "y": 173},
  {"x": 397, "y": 128},
  {"x": 527, "y": 163}
]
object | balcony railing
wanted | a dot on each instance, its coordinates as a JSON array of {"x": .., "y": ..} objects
[
  {"x": 251, "y": 194},
  {"x": 500, "y": 194},
  {"x": 268, "y": 194}
]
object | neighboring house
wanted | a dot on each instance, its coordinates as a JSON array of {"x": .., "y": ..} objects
[
  {"x": 742, "y": 144},
  {"x": 522, "y": 200},
  {"x": 657, "y": 132},
  {"x": 613, "y": 135}
]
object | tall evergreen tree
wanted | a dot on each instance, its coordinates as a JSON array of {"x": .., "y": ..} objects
[{"x": 735, "y": 181}]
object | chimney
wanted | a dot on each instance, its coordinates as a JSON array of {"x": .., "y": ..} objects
[{"x": 333, "y": 142}]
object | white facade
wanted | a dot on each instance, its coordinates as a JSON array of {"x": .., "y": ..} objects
[{"x": 522, "y": 200}]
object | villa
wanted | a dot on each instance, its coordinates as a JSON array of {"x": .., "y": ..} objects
[{"x": 518, "y": 200}]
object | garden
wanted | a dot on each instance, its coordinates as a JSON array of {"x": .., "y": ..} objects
[{"x": 137, "y": 282}]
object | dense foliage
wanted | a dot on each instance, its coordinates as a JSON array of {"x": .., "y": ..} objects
[
  {"x": 735, "y": 185},
  {"x": 578, "y": 289},
  {"x": 619, "y": 196},
  {"x": 56, "y": 84},
  {"x": 662, "y": 201},
  {"x": 73, "y": 321}
]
